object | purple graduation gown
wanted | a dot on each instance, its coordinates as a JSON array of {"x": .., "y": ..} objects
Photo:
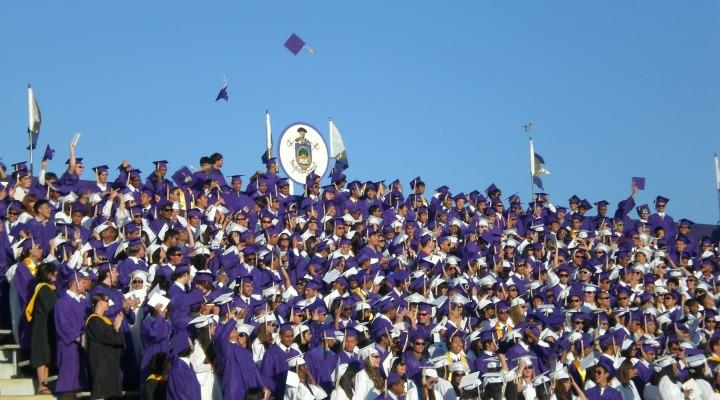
[
  {"x": 182, "y": 382},
  {"x": 24, "y": 284},
  {"x": 240, "y": 373},
  {"x": 69, "y": 325},
  {"x": 155, "y": 338},
  {"x": 274, "y": 368},
  {"x": 608, "y": 393},
  {"x": 321, "y": 363}
]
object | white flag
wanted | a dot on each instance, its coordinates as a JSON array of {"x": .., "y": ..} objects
[
  {"x": 337, "y": 146},
  {"x": 268, "y": 134},
  {"x": 717, "y": 171},
  {"x": 33, "y": 113}
]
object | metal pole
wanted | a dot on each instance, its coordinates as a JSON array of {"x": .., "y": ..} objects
[
  {"x": 532, "y": 184},
  {"x": 31, "y": 152},
  {"x": 718, "y": 193}
]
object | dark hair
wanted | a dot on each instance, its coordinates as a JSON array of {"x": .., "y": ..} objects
[
  {"x": 44, "y": 271},
  {"x": 158, "y": 363},
  {"x": 97, "y": 298},
  {"x": 254, "y": 394},
  {"x": 204, "y": 160},
  {"x": 39, "y": 203},
  {"x": 199, "y": 261},
  {"x": 215, "y": 157},
  {"x": 171, "y": 233}
]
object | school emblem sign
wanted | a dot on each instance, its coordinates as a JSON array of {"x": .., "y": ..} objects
[{"x": 302, "y": 150}]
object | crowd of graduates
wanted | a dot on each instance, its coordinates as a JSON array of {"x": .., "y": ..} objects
[{"x": 202, "y": 286}]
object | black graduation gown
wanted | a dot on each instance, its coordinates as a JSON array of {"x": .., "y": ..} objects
[
  {"x": 42, "y": 327},
  {"x": 154, "y": 389},
  {"x": 105, "y": 347}
]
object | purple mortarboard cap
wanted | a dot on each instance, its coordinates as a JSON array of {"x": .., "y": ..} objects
[
  {"x": 460, "y": 196},
  {"x": 21, "y": 166},
  {"x": 78, "y": 160},
  {"x": 194, "y": 213},
  {"x": 686, "y": 222},
  {"x": 574, "y": 199},
  {"x": 270, "y": 161},
  {"x": 236, "y": 178},
  {"x": 639, "y": 182},
  {"x": 661, "y": 199},
  {"x": 130, "y": 228},
  {"x": 337, "y": 176},
  {"x": 136, "y": 241},
  {"x": 586, "y": 205},
  {"x": 104, "y": 266},
  {"x": 416, "y": 182},
  {"x": 100, "y": 169},
  {"x": 160, "y": 164},
  {"x": 313, "y": 284},
  {"x": 394, "y": 378},
  {"x": 282, "y": 182},
  {"x": 183, "y": 176},
  {"x": 203, "y": 276},
  {"x": 179, "y": 343},
  {"x": 602, "y": 203},
  {"x": 181, "y": 269},
  {"x": 643, "y": 208},
  {"x": 294, "y": 44},
  {"x": 492, "y": 189},
  {"x": 442, "y": 189},
  {"x": 49, "y": 153},
  {"x": 77, "y": 207}
]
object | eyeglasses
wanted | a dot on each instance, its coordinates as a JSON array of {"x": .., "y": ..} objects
[
  {"x": 419, "y": 343},
  {"x": 512, "y": 289},
  {"x": 423, "y": 314},
  {"x": 267, "y": 222},
  {"x": 574, "y": 300},
  {"x": 166, "y": 209},
  {"x": 137, "y": 281},
  {"x": 604, "y": 298},
  {"x": 563, "y": 275},
  {"x": 623, "y": 298}
]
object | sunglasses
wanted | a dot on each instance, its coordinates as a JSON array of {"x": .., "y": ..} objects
[{"x": 137, "y": 281}]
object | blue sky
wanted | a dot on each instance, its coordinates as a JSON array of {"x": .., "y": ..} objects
[{"x": 615, "y": 89}]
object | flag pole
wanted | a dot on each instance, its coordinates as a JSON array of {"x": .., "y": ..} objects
[
  {"x": 532, "y": 184},
  {"x": 30, "y": 144},
  {"x": 717, "y": 183},
  {"x": 527, "y": 128}
]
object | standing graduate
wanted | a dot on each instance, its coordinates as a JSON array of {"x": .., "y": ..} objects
[
  {"x": 105, "y": 345},
  {"x": 182, "y": 381},
  {"x": 39, "y": 313},
  {"x": 240, "y": 373},
  {"x": 70, "y": 311},
  {"x": 274, "y": 365}
]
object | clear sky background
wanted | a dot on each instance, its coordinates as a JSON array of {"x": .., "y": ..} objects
[{"x": 439, "y": 89}]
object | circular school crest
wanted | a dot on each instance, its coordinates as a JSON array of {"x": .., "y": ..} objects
[{"x": 302, "y": 150}]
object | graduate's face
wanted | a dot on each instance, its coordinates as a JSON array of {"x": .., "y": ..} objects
[{"x": 286, "y": 338}]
